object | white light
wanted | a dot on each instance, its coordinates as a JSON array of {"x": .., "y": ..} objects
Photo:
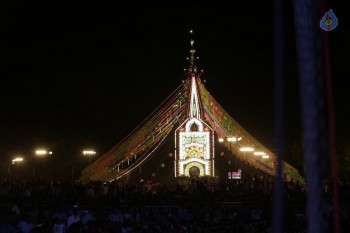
[
  {"x": 18, "y": 159},
  {"x": 239, "y": 139},
  {"x": 221, "y": 140},
  {"x": 89, "y": 152},
  {"x": 40, "y": 152},
  {"x": 265, "y": 156},
  {"x": 191, "y": 31},
  {"x": 232, "y": 139},
  {"x": 259, "y": 153},
  {"x": 247, "y": 149}
]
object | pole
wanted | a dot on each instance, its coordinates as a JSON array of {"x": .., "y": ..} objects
[
  {"x": 18, "y": 171},
  {"x": 9, "y": 171},
  {"x": 313, "y": 110},
  {"x": 279, "y": 113},
  {"x": 72, "y": 171},
  {"x": 89, "y": 169},
  {"x": 44, "y": 169}
]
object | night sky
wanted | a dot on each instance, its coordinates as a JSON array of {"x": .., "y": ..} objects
[{"x": 85, "y": 74}]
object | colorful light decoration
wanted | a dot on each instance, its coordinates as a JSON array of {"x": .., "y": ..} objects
[
  {"x": 147, "y": 137},
  {"x": 224, "y": 125}
]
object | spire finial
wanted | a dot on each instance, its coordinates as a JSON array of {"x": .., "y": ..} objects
[
  {"x": 192, "y": 50},
  {"x": 192, "y": 69}
]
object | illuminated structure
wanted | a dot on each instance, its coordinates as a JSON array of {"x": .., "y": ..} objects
[
  {"x": 192, "y": 114},
  {"x": 194, "y": 155}
]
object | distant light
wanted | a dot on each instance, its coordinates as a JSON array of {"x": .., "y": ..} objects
[
  {"x": 232, "y": 139},
  {"x": 40, "y": 152},
  {"x": 18, "y": 159},
  {"x": 239, "y": 139},
  {"x": 221, "y": 140},
  {"x": 89, "y": 152},
  {"x": 259, "y": 153},
  {"x": 265, "y": 156},
  {"x": 43, "y": 152},
  {"x": 247, "y": 149},
  {"x": 191, "y": 31}
]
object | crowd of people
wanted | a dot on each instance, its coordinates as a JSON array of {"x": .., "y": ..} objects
[{"x": 197, "y": 205}]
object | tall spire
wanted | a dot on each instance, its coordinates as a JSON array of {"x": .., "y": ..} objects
[{"x": 194, "y": 111}]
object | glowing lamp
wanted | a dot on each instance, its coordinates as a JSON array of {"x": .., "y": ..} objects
[
  {"x": 247, "y": 149},
  {"x": 89, "y": 152},
  {"x": 259, "y": 153}
]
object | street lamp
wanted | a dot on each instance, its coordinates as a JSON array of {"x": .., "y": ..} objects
[
  {"x": 230, "y": 140},
  {"x": 89, "y": 154},
  {"x": 43, "y": 153},
  {"x": 259, "y": 153},
  {"x": 265, "y": 157},
  {"x": 17, "y": 160},
  {"x": 245, "y": 150}
]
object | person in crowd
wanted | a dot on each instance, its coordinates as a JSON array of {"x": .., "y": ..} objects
[
  {"x": 25, "y": 225},
  {"x": 74, "y": 217}
]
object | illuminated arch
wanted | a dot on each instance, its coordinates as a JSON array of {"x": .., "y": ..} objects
[
  {"x": 194, "y": 121},
  {"x": 196, "y": 164}
]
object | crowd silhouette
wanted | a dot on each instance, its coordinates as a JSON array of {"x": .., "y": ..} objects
[{"x": 195, "y": 205}]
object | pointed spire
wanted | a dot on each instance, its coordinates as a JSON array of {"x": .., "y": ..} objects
[{"x": 192, "y": 73}]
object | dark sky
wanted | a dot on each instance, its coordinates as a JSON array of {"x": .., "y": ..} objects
[{"x": 85, "y": 74}]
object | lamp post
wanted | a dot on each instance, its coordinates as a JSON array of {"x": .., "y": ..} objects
[
  {"x": 17, "y": 160},
  {"x": 42, "y": 153},
  {"x": 246, "y": 150},
  {"x": 89, "y": 154},
  {"x": 230, "y": 140},
  {"x": 265, "y": 157},
  {"x": 259, "y": 153}
]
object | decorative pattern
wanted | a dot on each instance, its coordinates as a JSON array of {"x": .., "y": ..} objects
[{"x": 225, "y": 126}]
